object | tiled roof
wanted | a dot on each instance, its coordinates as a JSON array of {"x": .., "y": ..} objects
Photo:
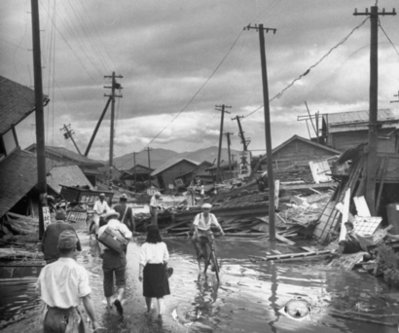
[
  {"x": 171, "y": 163},
  {"x": 62, "y": 152},
  {"x": 18, "y": 176},
  {"x": 16, "y": 103},
  {"x": 70, "y": 175}
]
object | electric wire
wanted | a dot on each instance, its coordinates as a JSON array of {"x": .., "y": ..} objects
[
  {"x": 342, "y": 41},
  {"x": 387, "y": 37},
  {"x": 199, "y": 90}
]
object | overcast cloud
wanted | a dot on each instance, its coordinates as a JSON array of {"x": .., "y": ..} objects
[{"x": 166, "y": 50}]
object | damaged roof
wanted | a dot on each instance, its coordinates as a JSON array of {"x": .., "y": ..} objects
[
  {"x": 16, "y": 103},
  {"x": 171, "y": 163},
  {"x": 62, "y": 152},
  {"x": 358, "y": 120},
  {"x": 70, "y": 175},
  {"x": 18, "y": 176}
]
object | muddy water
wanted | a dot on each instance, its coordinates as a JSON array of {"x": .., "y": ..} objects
[{"x": 248, "y": 298}]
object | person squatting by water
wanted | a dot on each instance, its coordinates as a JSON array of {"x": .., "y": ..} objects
[
  {"x": 125, "y": 212},
  {"x": 114, "y": 263},
  {"x": 202, "y": 228},
  {"x": 62, "y": 285},
  {"x": 155, "y": 207},
  {"x": 153, "y": 273},
  {"x": 49, "y": 245}
]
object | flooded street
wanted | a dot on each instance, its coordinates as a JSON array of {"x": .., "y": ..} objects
[{"x": 248, "y": 299}]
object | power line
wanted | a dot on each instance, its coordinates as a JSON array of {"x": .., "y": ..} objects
[
  {"x": 387, "y": 37},
  {"x": 199, "y": 90},
  {"x": 342, "y": 41}
]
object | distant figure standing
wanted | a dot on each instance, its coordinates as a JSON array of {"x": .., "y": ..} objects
[
  {"x": 155, "y": 207},
  {"x": 114, "y": 263},
  {"x": 100, "y": 208},
  {"x": 62, "y": 284},
  {"x": 154, "y": 256},
  {"x": 125, "y": 212},
  {"x": 51, "y": 234}
]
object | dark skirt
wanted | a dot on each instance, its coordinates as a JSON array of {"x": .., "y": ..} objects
[{"x": 155, "y": 281}]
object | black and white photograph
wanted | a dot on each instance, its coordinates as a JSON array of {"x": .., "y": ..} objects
[{"x": 182, "y": 166}]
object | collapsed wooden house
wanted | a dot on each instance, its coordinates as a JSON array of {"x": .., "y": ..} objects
[{"x": 351, "y": 175}]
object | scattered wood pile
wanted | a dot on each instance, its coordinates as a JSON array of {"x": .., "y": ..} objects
[{"x": 243, "y": 211}]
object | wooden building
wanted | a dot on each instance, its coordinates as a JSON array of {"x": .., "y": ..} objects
[
  {"x": 172, "y": 171},
  {"x": 291, "y": 158},
  {"x": 60, "y": 156},
  {"x": 345, "y": 130},
  {"x": 18, "y": 168}
]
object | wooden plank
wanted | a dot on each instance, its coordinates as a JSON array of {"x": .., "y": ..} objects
[{"x": 284, "y": 240}]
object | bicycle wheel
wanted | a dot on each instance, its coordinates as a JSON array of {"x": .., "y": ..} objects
[{"x": 215, "y": 264}]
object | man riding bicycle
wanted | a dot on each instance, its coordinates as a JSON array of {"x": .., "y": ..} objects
[{"x": 202, "y": 228}]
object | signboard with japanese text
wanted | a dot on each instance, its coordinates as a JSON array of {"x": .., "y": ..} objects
[{"x": 46, "y": 216}]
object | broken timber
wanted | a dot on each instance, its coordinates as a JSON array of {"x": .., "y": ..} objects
[{"x": 292, "y": 256}]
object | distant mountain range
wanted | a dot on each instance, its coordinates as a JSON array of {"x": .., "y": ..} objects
[{"x": 160, "y": 156}]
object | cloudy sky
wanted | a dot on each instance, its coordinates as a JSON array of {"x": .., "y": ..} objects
[{"x": 180, "y": 58}]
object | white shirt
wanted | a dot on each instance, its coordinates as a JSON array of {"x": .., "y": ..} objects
[
  {"x": 153, "y": 253},
  {"x": 205, "y": 224},
  {"x": 101, "y": 207},
  {"x": 117, "y": 226},
  {"x": 155, "y": 202},
  {"x": 63, "y": 282}
]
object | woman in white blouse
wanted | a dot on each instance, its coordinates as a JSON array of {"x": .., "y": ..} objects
[{"x": 154, "y": 256}]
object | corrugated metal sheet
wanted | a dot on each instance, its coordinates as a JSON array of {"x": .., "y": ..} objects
[
  {"x": 18, "y": 175},
  {"x": 16, "y": 103},
  {"x": 70, "y": 175}
]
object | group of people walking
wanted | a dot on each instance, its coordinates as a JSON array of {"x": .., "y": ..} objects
[{"x": 63, "y": 283}]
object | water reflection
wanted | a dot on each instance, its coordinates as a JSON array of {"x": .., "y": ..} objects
[{"x": 273, "y": 296}]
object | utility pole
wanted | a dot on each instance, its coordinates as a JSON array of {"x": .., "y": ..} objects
[
  {"x": 39, "y": 116},
  {"x": 397, "y": 100},
  {"x": 222, "y": 108},
  {"x": 373, "y": 105},
  {"x": 149, "y": 164},
  {"x": 261, "y": 30},
  {"x": 68, "y": 134},
  {"x": 228, "y": 147},
  {"x": 98, "y": 125},
  {"x": 245, "y": 142},
  {"x": 134, "y": 168},
  {"x": 114, "y": 85}
]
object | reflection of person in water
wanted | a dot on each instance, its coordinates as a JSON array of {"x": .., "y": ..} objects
[{"x": 206, "y": 296}]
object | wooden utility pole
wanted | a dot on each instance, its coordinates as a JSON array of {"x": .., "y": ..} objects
[
  {"x": 98, "y": 125},
  {"x": 39, "y": 115},
  {"x": 68, "y": 134},
  {"x": 134, "y": 168},
  {"x": 261, "y": 30},
  {"x": 373, "y": 105},
  {"x": 149, "y": 164},
  {"x": 114, "y": 85},
  {"x": 222, "y": 108},
  {"x": 228, "y": 147},
  {"x": 245, "y": 142}
]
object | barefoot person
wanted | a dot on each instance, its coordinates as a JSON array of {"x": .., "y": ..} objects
[
  {"x": 154, "y": 256},
  {"x": 62, "y": 285}
]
